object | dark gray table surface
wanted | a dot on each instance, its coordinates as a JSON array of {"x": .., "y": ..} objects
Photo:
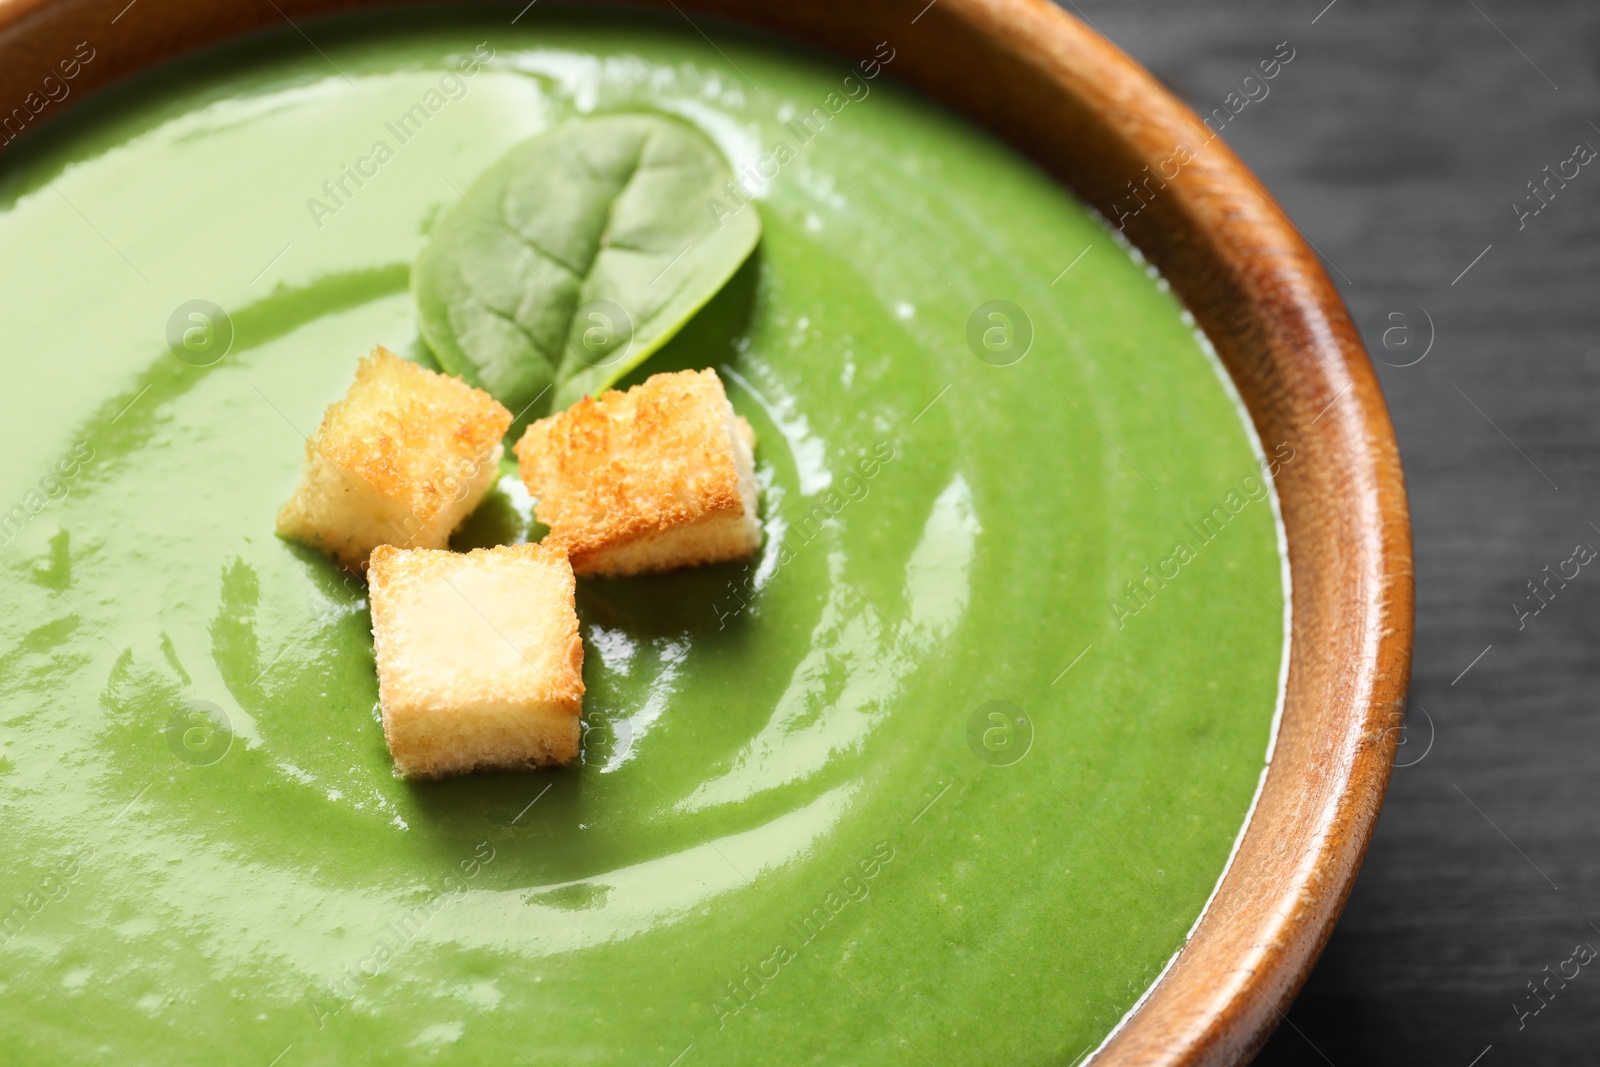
[{"x": 1398, "y": 139}]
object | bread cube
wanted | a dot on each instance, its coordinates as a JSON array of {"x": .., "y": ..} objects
[
  {"x": 651, "y": 479},
  {"x": 480, "y": 665},
  {"x": 400, "y": 460}
]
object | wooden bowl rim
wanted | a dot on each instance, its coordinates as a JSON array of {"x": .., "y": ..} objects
[{"x": 1088, "y": 113}]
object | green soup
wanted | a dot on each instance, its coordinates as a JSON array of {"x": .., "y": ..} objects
[{"x": 946, "y": 775}]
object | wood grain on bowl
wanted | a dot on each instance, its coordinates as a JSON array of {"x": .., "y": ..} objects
[{"x": 1069, "y": 99}]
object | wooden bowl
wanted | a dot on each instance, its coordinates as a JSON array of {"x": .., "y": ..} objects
[{"x": 1071, "y": 100}]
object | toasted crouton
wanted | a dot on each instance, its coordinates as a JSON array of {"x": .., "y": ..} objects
[
  {"x": 400, "y": 460},
  {"x": 648, "y": 480},
  {"x": 480, "y": 665}
]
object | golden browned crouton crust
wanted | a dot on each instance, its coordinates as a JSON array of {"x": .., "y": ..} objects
[
  {"x": 401, "y": 459},
  {"x": 653, "y": 478}
]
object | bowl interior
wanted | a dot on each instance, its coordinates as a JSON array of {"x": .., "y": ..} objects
[{"x": 1088, "y": 114}]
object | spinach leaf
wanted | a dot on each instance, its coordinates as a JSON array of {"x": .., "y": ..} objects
[{"x": 577, "y": 255}]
